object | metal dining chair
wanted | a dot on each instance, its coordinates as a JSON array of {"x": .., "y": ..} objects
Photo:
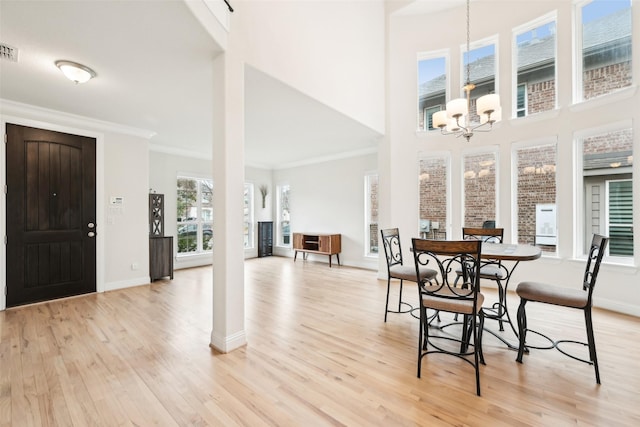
[
  {"x": 397, "y": 270},
  {"x": 448, "y": 256},
  {"x": 581, "y": 299},
  {"x": 494, "y": 271}
]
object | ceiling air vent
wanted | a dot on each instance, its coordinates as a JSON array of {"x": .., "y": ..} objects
[{"x": 8, "y": 52}]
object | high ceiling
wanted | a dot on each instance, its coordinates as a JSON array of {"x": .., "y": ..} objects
[
  {"x": 152, "y": 59},
  {"x": 154, "y": 72}
]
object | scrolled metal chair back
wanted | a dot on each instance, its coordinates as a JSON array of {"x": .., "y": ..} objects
[
  {"x": 594, "y": 258},
  {"x": 449, "y": 257},
  {"x": 392, "y": 248},
  {"x": 489, "y": 235}
]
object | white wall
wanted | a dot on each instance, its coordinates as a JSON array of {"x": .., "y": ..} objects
[
  {"x": 126, "y": 172},
  {"x": 408, "y": 35},
  {"x": 163, "y": 172},
  {"x": 329, "y": 198},
  {"x": 331, "y": 51}
]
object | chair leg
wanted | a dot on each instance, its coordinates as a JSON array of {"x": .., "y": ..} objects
[
  {"x": 501, "y": 303},
  {"x": 423, "y": 330},
  {"x": 476, "y": 352},
  {"x": 592, "y": 343},
  {"x": 480, "y": 330},
  {"x": 386, "y": 306},
  {"x": 400, "y": 297},
  {"x": 522, "y": 328},
  {"x": 466, "y": 333}
]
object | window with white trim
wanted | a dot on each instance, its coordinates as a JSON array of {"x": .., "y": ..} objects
[
  {"x": 371, "y": 213},
  {"x": 432, "y": 86},
  {"x": 535, "y": 177},
  {"x": 284, "y": 217},
  {"x": 604, "y": 46},
  {"x": 433, "y": 178},
  {"x": 479, "y": 188},
  {"x": 535, "y": 66},
  {"x": 248, "y": 215},
  {"x": 195, "y": 215},
  {"x": 606, "y": 184},
  {"x": 482, "y": 66}
]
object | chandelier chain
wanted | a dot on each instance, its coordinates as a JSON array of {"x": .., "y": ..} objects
[{"x": 468, "y": 46}]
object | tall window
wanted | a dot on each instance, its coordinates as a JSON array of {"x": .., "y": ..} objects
[
  {"x": 606, "y": 175},
  {"x": 535, "y": 53},
  {"x": 432, "y": 82},
  {"x": 604, "y": 43},
  {"x": 433, "y": 179},
  {"x": 482, "y": 72},
  {"x": 195, "y": 215},
  {"x": 371, "y": 213},
  {"x": 284, "y": 218},
  {"x": 248, "y": 215},
  {"x": 535, "y": 177},
  {"x": 479, "y": 188}
]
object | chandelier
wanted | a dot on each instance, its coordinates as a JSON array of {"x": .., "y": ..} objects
[{"x": 456, "y": 119}]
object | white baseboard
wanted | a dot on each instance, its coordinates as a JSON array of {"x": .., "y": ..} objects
[
  {"x": 129, "y": 283},
  {"x": 229, "y": 343}
]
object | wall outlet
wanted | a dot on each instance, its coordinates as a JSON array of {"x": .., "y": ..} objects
[{"x": 134, "y": 266}]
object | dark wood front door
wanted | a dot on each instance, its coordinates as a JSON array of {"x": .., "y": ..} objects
[{"x": 51, "y": 215}]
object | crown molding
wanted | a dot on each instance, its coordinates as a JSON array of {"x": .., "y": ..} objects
[{"x": 19, "y": 109}]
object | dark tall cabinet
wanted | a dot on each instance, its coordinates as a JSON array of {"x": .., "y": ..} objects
[
  {"x": 160, "y": 246},
  {"x": 265, "y": 238},
  {"x": 160, "y": 257}
]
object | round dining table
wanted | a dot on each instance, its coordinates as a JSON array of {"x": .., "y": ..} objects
[{"x": 496, "y": 255}]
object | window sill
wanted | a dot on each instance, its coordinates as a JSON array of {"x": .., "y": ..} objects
[
  {"x": 193, "y": 255},
  {"x": 607, "y": 99},
  {"x": 534, "y": 118},
  {"x": 620, "y": 265}
]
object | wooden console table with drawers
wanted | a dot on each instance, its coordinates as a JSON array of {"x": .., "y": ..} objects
[{"x": 317, "y": 243}]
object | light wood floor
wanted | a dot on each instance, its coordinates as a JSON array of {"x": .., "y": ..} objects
[{"x": 318, "y": 354}]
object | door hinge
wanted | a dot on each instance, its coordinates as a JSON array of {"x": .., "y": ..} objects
[
  {"x": 5, "y": 138},
  {"x": 5, "y": 239}
]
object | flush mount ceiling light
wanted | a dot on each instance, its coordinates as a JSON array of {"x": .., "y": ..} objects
[
  {"x": 75, "y": 72},
  {"x": 456, "y": 118}
]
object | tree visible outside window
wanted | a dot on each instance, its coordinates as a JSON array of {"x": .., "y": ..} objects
[
  {"x": 479, "y": 188},
  {"x": 606, "y": 179},
  {"x": 535, "y": 50},
  {"x": 248, "y": 215},
  {"x": 432, "y": 81},
  {"x": 371, "y": 212},
  {"x": 284, "y": 217},
  {"x": 195, "y": 215},
  {"x": 605, "y": 46},
  {"x": 536, "y": 215},
  {"x": 433, "y": 183}
]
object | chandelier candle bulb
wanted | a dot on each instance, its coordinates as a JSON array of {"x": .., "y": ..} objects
[
  {"x": 457, "y": 108},
  {"x": 440, "y": 119},
  {"x": 488, "y": 104}
]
